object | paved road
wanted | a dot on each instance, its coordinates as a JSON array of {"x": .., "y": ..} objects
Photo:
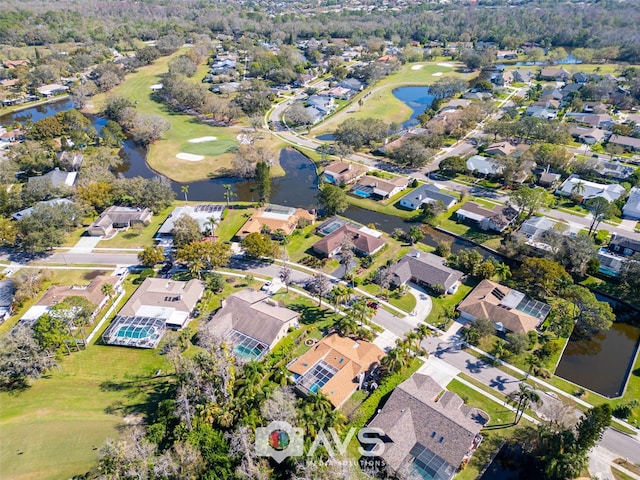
[{"x": 450, "y": 351}]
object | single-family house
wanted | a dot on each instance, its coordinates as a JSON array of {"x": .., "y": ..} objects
[
  {"x": 502, "y": 149},
  {"x": 340, "y": 92},
  {"x": 496, "y": 219},
  {"x": 11, "y": 64},
  {"x": 588, "y": 135},
  {"x": 480, "y": 165},
  {"x": 569, "y": 89},
  {"x": 427, "y": 193},
  {"x": 93, "y": 292},
  {"x": 551, "y": 94},
  {"x": 7, "y": 292},
  {"x": 594, "y": 107},
  {"x": 628, "y": 143},
  {"x": 365, "y": 241},
  {"x": 538, "y": 229},
  {"x": 352, "y": 84},
  {"x": 157, "y": 305},
  {"x": 549, "y": 179},
  {"x": 614, "y": 169},
  {"x": 207, "y": 216},
  {"x": 57, "y": 177},
  {"x": 171, "y": 300},
  {"x": 508, "y": 309},
  {"x": 343, "y": 173},
  {"x": 324, "y": 103},
  {"x": 619, "y": 251},
  {"x": 428, "y": 432},
  {"x": 631, "y": 209},
  {"x": 554, "y": 74},
  {"x": 477, "y": 95},
  {"x": 599, "y": 120},
  {"x": 277, "y": 220},
  {"x": 52, "y": 89},
  {"x": 11, "y": 136},
  {"x": 585, "y": 189},
  {"x": 116, "y": 217},
  {"x": 251, "y": 322},
  {"x": 70, "y": 160},
  {"x": 427, "y": 270},
  {"x": 371, "y": 186},
  {"x": 542, "y": 112},
  {"x": 506, "y": 54},
  {"x": 27, "y": 211},
  {"x": 501, "y": 79},
  {"x": 523, "y": 76},
  {"x": 335, "y": 366},
  {"x": 581, "y": 77}
]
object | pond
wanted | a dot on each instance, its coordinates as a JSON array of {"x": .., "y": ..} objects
[
  {"x": 298, "y": 187},
  {"x": 416, "y": 98},
  {"x": 388, "y": 223},
  {"x": 603, "y": 362}
]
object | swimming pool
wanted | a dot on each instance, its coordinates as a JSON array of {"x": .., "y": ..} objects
[
  {"x": 129, "y": 331},
  {"x": 361, "y": 193},
  {"x": 332, "y": 227},
  {"x": 247, "y": 354}
]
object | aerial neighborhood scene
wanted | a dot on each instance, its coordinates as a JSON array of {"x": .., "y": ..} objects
[{"x": 393, "y": 239}]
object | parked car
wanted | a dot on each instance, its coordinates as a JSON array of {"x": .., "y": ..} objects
[
  {"x": 374, "y": 305},
  {"x": 265, "y": 287}
]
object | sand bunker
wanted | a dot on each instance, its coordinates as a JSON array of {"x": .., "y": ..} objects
[
  {"x": 417, "y": 67},
  {"x": 189, "y": 157},
  {"x": 437, "y": 74},
  {"x": 202, "y": 139},
  {"x": 447, "y": 65}
]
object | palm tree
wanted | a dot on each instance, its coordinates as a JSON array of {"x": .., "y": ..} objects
[
  {"x": 213, "y": 222},
  {"x": 107, "y": 290},
  {"x": 578, "y": 189},
  {"x": 185, "y": 190},
  {"x": 423, "y": 331},
  {"x": 503, "y": 271},
  {"x": 228, "y": 194},
  {"x": 346, "y": 326},
  {"x": 525, "y": 395},
  {"x": 394, "y": 361}
]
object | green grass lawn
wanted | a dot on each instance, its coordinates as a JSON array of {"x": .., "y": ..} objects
[
  {"x": 61, "y": 419},
  {"x": 406, "y": 302},
  {"x": 233, "y": 220},
  {"x": 440, "y": 303},
  {"x": 381, "y": 103},
  {"x": 138, "y": 236},
  {"x": 162, "y": 154}
]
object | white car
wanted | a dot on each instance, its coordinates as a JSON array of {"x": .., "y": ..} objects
[{"x": 265, "y": 287}]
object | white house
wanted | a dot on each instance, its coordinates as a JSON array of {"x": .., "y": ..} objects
[
  {"x": 631, "y": 209},
  {"x": 587, "y": 190}
]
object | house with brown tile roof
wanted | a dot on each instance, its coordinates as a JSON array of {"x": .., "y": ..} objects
[
  {"x": 364, "y": 243},
  {"x": 333, "y": 366},
  {"x": 275, "y": 218},
  {"x": 508, "y": 309},
  {"x": 427, "y": 433},
  {"x": 116, "y": 217},
  {"x": 425, "y": 269},
  {"x": 170, "y": 300},
  {"x": 11, "y": 64},
  {"x": 500, "y": 148},
  {"x": 497, "y": 219},
  {"x": 252, "y": 323},
  {"x": 343, "y": 173}
]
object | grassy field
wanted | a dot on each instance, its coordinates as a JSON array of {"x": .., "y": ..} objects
[
  {"x": 435, "y": 317},
  {"x": 162, "y": 154},
  {"x": 379, "y": 102},
  {"x": 52, "y": 429}
]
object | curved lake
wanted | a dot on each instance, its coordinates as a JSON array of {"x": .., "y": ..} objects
[
  {"x": 603, "y": 362},
  {"x": 416, "y": 98}
]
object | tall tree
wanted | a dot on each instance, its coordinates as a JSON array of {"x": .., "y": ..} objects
[
  {"x": 332, "y": 200},
  {"x": 228, "y": 194},
  {"x": 320, "y": 286},
  {"x": 263, "y": 182},
  {"x": 601, "y": 209},
  {"x": 185, "y": 230}
]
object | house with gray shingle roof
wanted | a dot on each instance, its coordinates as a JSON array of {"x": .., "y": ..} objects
[
  {"x": 251, "y": 322},
  {"x": 427, "y": 270},
  {"x": 631, "y": 209},
  {"x": 427, "y": 194},
  {"x": 57, "y": 177},
  {"x": 428, "y": 434}
]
